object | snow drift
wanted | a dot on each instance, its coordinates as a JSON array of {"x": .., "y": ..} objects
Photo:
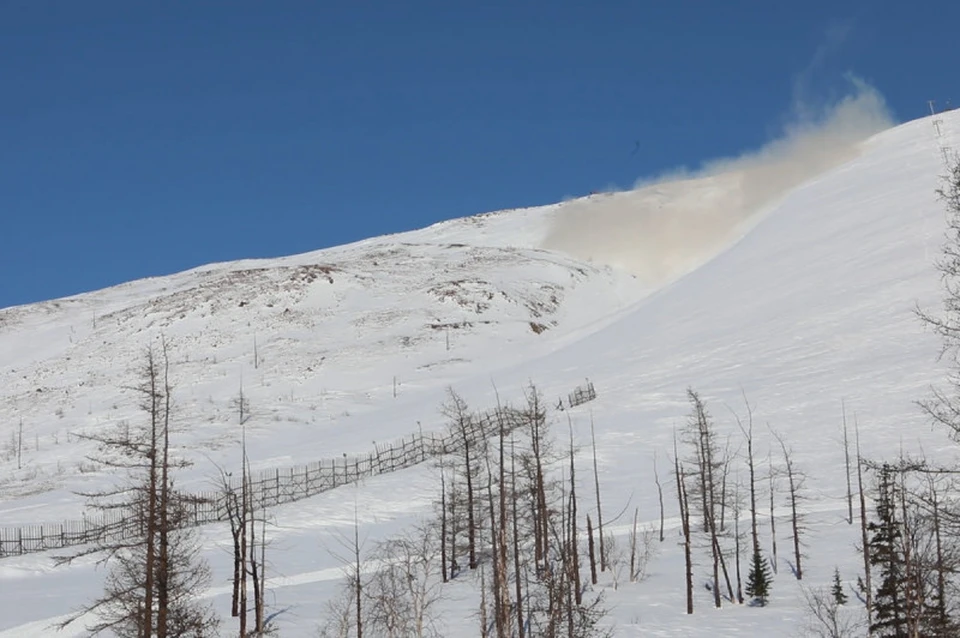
[{"x": 668, "y": 226}]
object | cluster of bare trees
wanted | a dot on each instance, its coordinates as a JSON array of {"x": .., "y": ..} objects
[
  {"x": 249, "y": 547},
  {"x": 709, "y": 496},
  {"x": 154, "y": 579},
  {"x": 509, "y": 511},
  {"x": 398, "y": 596},
  {"x": 508, "y": 514}
]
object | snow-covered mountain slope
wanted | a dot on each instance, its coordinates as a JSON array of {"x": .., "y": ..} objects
[
  {"x": 803, "y": 308},
  {"x": 332, "y": 330}
]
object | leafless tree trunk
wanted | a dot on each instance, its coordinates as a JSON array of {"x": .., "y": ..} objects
[
  {"x": 231, "y": 501},
  {"x": 484, "y": 621},
  {"x": 245, "y": 506},
  {"x": 795, "y": 480},
  {"x": 20, "y": 445},
  {"x": 357, "y": 583},
  {"x": 710, "y": 464},
  {"x": 443, "y": 524},
  {"x": 596, "y": 484},
  {"x": 864, "y": 539},
  {"x": 500, "y": 615},
  {"x": 846, "y": 458},
  {"x": 462, "y": 425},
  {"x": 656, "y": 479},
  {"x": 517, "y": 565},
  {"x": 535, "y": 416},
  {"x": 574, "y": 551},
  {"x": 593, "y": 560},
  {"x": 773, "y": 519},
  {"x": 748, "y": 435},
  {"x": 685, "y": 523},
  {"x": 736, "y": 536}
]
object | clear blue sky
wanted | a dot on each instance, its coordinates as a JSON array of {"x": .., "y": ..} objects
[{"x": 144, "y": 138}]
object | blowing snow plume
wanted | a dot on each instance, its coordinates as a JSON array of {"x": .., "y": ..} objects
[{"x": 666, "y": 228}]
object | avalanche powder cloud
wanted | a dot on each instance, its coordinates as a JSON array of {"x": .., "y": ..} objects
[{"x": 667, "y": 227}]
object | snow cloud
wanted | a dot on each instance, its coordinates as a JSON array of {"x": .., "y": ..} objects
[{"x": 667, "y": 226}]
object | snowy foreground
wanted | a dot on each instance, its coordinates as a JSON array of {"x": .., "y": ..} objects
[{"x": 808, "y": 306}]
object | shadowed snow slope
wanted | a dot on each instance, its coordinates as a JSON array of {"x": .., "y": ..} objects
[{"x": 810, "y": 308}]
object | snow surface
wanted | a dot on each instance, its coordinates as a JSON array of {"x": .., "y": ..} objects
[{"x": 810, "y": 306}]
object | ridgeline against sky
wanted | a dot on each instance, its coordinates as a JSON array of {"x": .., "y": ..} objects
[{"x": 142, "y": 139}]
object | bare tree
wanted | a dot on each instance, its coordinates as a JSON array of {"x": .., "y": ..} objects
[
  {"x": 20, "y": 445},
  {"x": 772, "y": 478},
  {"x": 656, "y": 480},
  {"x": 596, "y": 485},
  {"x": 944, "y": 406},
  {"x": 345, "y": 613},
  {"x": 574, "y": 552},
  {"x": 864, "y": 539},
  {"x": 846, "y": 459},
  {"x": 827, "y": 618},
  {"x": 591, "y": 553},
  {"x": 748, "y": 436},
  {"x": 463, "y": 427},
  {"x": 156, "y": 572},
  {"x": 230, "y": 495},
  {"x": 736, "y": 537},
  {"x": 795, "y": 481},
  {"x": 518, "y": 565},
  {"x": 685, "y": 525},
  {"x": 404, "y": 591},
  {"x": 710, "y": 468}
]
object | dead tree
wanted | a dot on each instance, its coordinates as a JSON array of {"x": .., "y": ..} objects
[
  {"x": 463, "y": 427},
  {"x": 443, "y": 524},
  {"x": 357, "y": 582},
  {"x": 864, "y": 538},
  {"x": 710, "y": 466},
  {"x": 236, "y": 519},
  {"x": 685, "y": 525},
  {"x": 596, "y": 485},
  {"x": 656, "y": 480},
  {"x": 846, "y": 458},
  {"x": 540, "y": 455},
  {"x": 156, "y": 570},
  {"x": 772, "y": 477},
  {"x": 403, "y": 593},
  {"x": 748, "y": 436},
  {"x": 592, "y": 555},
  {"x": 827, "y": 618},
  {"x": 736, "y": 536},
  {"x": 574, "y": 543},
  {"x": 346, "y": 613},
  {"x": 943, "y": 407},
  {"x": 518, "y": 571},
  {"x": 795, "y": 481},
  {"x": 254, "y": 563}
]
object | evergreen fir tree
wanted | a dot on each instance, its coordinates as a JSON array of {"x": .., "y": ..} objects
[
  {"x": 839, "y": 596},
  {"x": 759, "y": 579},
  {"x": 889, "y": 614}
]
